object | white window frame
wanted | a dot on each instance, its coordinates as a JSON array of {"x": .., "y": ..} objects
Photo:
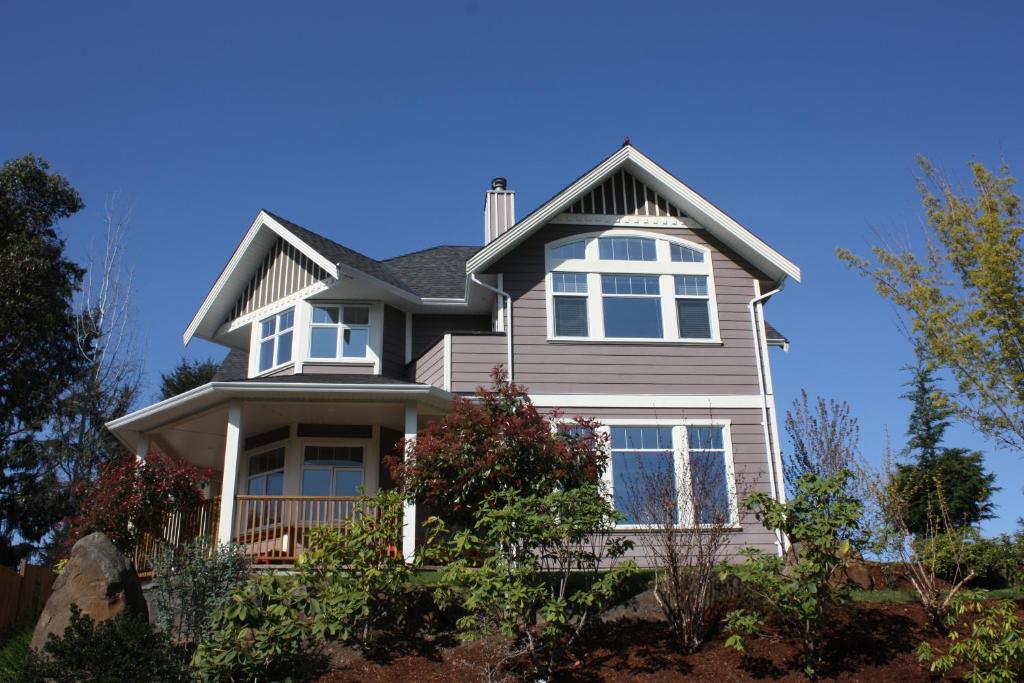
[
  {"x": 257, "y": 341},
  {"x": 340, "y": 328},
  {"x": 281, "y": 445},
  {"x": 681, "y": 465},
  {"x": 664, "y": 267}
]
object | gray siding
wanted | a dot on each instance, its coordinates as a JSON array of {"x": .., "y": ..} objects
[
  {"x": 473, "y": 358},
  {"x": 337, "y": 369},
  {"x": 393, "y": 352},
  {"x": 749, "y": 461},
  {"x": 592, "y": 367},
  {"x": 429, "y": 367},
  {"x": 427, "y": 328}
]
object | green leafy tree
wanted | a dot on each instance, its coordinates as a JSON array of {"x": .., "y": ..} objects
[
  {"x": 964, "y": 296},
  {"x": 39, "y": 354},
  {"x": 954, "y": 478},
  {"x": 797, "y": 589},
  {"x": 187, "y": 374}
]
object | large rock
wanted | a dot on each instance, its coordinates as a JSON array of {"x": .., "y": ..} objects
[{"x": 98, "y": 579}]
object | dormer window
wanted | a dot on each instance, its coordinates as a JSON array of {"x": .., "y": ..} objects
[
  {"x": 338, "y": 332},
  {"x": 630, "y": 286},
  {"x": 275, "y": 340}
]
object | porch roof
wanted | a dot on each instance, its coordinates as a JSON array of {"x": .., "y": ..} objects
[{"x": 291, "y": 388}]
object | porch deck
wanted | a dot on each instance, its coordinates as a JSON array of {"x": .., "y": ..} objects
[{"x": 272, "y": 530}]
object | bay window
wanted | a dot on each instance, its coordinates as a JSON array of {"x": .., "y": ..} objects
[
  {"x": 332, "y": 470},
  {"x": 339, "y": 331},
  {"x": 275, "y": 340},
  {"x": 627, "y": 285}
]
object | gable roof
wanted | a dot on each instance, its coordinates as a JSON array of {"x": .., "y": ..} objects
[{"x": 716, "y": 221}]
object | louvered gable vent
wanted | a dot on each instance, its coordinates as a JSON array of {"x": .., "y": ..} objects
[
  {"x": 283, "y": 271},
  {"x": 623, "y": 195}
]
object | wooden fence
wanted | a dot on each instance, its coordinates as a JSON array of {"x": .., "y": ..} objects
[{"x": 24, "y": 593}]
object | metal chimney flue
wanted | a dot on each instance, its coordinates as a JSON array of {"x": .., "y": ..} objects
[{"x": 499, "y": 209}]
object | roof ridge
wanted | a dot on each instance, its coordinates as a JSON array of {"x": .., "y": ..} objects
[{"x": 439, "y": 246}]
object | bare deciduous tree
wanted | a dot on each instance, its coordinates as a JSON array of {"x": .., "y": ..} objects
[{"x": 824, "y": 437}]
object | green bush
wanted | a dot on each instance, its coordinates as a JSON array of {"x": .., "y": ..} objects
[
  {"x": 986, "y": 640},
  {"x": 192, "y": 584},
  {"x": 14, "y": 653},
  {"x": 124, "y": 648},
  {"x": 796, "y": 589},
  {"x": 528, "y": 572},
  {"x": 997, "y": 562},
  {"x": 265, "y": 632}
]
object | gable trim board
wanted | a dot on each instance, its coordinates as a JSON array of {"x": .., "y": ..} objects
[
  {"x": 283, "y": 271},
  {"x": 711, "y": 217}
]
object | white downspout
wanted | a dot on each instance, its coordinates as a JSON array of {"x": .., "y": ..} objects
[
  {"x": 508, "y": 307},
  {"x": 770, "y": 444}
]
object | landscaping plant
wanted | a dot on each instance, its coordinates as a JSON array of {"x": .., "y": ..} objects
[
  {"x": 195, "y": 581},
  {"x": 358, "y": 577},
  {"x": 529, "y": 571},
  {"x": 985, "y": 639},
  {"x": 796, "y": 589}
]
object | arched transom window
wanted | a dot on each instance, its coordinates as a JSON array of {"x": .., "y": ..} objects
[{"x": 630, "y": 286}]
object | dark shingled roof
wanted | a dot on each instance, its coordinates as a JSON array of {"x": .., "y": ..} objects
[
  {"x": 438, "y": 272},
  {"x": 773, "y": 336},
  {"x": 234, "y": 366}
]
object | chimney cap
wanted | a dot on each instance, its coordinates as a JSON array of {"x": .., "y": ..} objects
[{"x": 499, "y": 184}]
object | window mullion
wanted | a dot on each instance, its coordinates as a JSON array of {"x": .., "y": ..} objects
[
  {"x": 668, "y": 305},
  {"x": 684, "y": 490}
]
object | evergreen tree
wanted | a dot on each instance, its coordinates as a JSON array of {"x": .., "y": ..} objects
[{"x": 187, "y": 374}]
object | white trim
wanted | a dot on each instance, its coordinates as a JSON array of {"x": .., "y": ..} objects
[
  {"x": 447, "y": 378},
  {"x": 630, "y": 221},
  {"x": 229, "y": 481},
  {"x": 409, "y": 506},
  {"x": 670, "y": 187},
  {"x": 293, "y": 299},
  {"x": 256, "y": 341},
  {"x": 646, "y": 400}
]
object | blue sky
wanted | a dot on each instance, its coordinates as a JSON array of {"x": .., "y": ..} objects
[{"x": 381, "y": 125}]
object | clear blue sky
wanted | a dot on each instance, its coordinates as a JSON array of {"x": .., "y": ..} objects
[{"x": 381, "y": 124}]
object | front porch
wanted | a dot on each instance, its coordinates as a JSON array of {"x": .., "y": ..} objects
[{"x": 288, "y": 460}]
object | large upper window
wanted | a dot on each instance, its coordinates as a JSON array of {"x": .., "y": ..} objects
[
  {"x": 672, "y": 474},
  {"x": 338, "y": 332},
  {"x": 623, "y": 286},
  {"x": 275, "y": 339}
]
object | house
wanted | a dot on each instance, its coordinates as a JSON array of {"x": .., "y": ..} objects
[{"x": 626, "y": 297}]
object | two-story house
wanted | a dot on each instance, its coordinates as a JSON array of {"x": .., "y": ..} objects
[{"x": 626, "y": 297}]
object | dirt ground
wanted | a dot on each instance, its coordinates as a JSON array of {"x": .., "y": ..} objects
[{"x": 873, "y": 642}]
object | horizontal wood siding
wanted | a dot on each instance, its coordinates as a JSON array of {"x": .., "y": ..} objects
[
  {"x": 429, "y": 368},
  {"x": 337, "y": 369},
  {"x": 473, "y": 358},
  {"x": 427, "y": 328},
  {"x": 750, "y": 461},
  {"x": 593, "y": 367},
  {"x": 393, "y": 354}
]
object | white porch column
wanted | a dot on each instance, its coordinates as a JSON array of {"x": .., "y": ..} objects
[
  {"x": 142, "y": 446},
  {"x": 229, "y": 483},
  {"x": 409, "y": 507}
]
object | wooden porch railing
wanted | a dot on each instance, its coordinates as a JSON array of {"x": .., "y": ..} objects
[
  {"x": 275, "y": 529},
  {"x": 178, "y": 528}
]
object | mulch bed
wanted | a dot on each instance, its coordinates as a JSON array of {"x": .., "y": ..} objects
[{"x": 871, "y": 642}]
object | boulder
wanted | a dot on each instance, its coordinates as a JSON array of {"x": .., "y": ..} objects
[{"x": 98, "y": 579}]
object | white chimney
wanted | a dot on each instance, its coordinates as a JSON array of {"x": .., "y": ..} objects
[{"x": 499, "y": 210}]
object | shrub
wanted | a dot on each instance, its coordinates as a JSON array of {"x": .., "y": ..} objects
[
  {"x": 529, "y": 571},
  {"x": 264, "y": 633},
  {"x": 130, "y": 498},
  {"x": 193, "y": 583},
  {"x": 358, "y": 577},
  {"x": 986, "y": 640},
  {"x": 124, "y": 648},
  {"x": 494, "y": 443},
  {"x": 997, "y": 562},
  {"x": 797, "y": 588},
  {"x": 14, "y": 653}
]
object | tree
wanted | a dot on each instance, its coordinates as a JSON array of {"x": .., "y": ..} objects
[
  {"x": 824, "y": 438},
  {"x": 39, "y": 355},
  {"x": 496, "y": 443},
  {"x": 964, "y": 296},
  {"x": 952, "y": 477},
  {"x": 187, "y": 374}
]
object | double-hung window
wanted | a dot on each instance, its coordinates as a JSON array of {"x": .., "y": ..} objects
[
  {"x": 339, "y": 332},
  {"x": 275, "y": 340},
  {"x": 678, "y": 474},
  {"x": 626, "y": 285}
]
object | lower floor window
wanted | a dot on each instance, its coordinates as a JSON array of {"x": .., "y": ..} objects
[
  {"x": 266, "y": 473},
  {"x": 671, "y": 475},
  {"x": 332, "y": 471}
]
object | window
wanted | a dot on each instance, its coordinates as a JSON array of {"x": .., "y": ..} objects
[
  {"x": 339, "y": 332},
  {"x": 632, "y": 306},
  {"x": 629, "y": 286},
  {"x": 640, "y": 455},
  {"x": 692, "y": 306},
  {"x": 275, "y": 339},
  {"x": 627, "y": 249},
  {"x": 266, "y": 473},
  {"x": 570, "y": 304},
  {"x": 332, "y": 470},
  {"x": 649, "y": 462}
]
